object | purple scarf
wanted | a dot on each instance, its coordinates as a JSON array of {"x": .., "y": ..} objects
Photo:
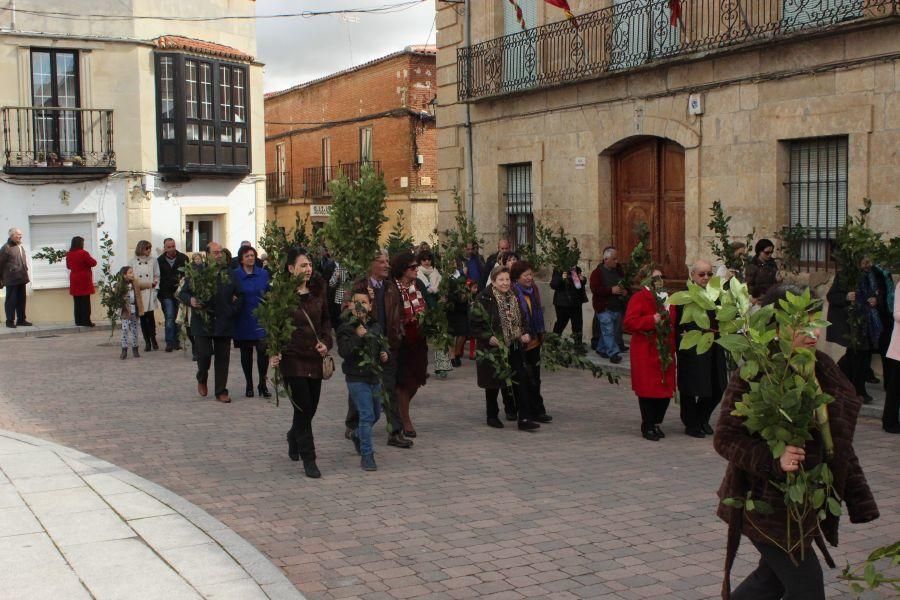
[{"x": 534, "y": 317}]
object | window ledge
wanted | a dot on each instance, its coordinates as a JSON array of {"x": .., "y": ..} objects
[{"x": 64, "y": 171}]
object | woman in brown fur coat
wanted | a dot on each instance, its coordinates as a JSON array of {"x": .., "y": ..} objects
[{"x": 751, "y": 469}]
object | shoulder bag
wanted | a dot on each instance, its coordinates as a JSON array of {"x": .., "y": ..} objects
[{"x": 327, "y": 360}]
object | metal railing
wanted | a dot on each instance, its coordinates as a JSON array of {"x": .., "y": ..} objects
[
  {"x": 316, "y": 179},
  {"x": 36, "y": 137},
  {"x": 630, "y": 34},
  {"x": 278, "y": 186}
]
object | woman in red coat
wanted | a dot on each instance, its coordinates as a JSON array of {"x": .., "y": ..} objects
[
  {"x": 653, "y": 387},
  {"x": 81, "y": 280}
]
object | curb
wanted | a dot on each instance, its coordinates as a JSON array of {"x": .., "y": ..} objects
[
  {"x": 271, "y": 580},
  {"x": 23, "y": 332}
]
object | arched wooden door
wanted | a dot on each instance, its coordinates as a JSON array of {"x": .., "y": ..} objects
[{"x": 648, "y": 185}]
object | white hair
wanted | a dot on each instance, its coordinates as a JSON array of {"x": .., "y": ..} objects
[
  {"x": 693, "y": 266},
  {"x": 608, "y": 252},
  {"x": 13, "y": 230}
]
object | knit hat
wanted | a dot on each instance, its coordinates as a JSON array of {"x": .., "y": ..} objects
[{"x": 762, "y": 245}]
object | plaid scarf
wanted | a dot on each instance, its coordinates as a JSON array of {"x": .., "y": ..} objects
[{"x": 413, "y": 302}]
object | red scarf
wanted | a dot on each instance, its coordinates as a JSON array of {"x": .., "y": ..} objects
[{"x": 413, "y": 302}]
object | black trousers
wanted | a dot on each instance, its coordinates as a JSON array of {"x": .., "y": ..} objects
[
  {"x": 653, "y": 410},
  {"x": 207, "y": 348},
  {"x": 82, "y": 310},
  {"x": 388, "y": 402},
  {"x": 148, "y": 325},
  {"x": 564, "y": 314},
  {"x": 889, "y": 418},
  {"x": 525, "y": 389},
  {"x": 856, "y": 364},
  {"x": 262, "y": 361},
  {"x": 533, "y": 364},
  {"x": 777, "y": 578},
  {"x": 305, "y": 393},
  {"x": 15, "y": 303},
  {"x": 493, "y": 409},
  {"x": 696, "y": 411}
]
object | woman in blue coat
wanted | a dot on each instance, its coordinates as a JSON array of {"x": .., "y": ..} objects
[{"x": 248, "y": 335}]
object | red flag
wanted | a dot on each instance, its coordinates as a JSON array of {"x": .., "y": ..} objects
[
  {"x": 675, "y": 10},
  {"x": 519, "y": 16},
  {"x": 563, "y": 5}
]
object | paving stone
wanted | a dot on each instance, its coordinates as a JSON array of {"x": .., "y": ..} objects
[
  {"x": 169, "y": 531},
  {"x": 89, "y": 526},
  {"x": 64, "y": 502},
  {"x": 18, "y": 520},
  {"x": 31, "y": 567}
]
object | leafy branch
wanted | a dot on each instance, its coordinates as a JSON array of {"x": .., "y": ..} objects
[
  {"x": 112, "y": 287},
  {"x": 868, "y": 572},
  {"x": 50, "y": 254},
  {"x": 721, "y": 245},
  {"x": 563, "y": 352},
  {"x": 398, "y": 241}
]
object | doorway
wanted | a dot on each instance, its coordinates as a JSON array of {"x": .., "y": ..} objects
[
  {"x": 648, "y": 186},
  {"x": 199, "y": 231}
]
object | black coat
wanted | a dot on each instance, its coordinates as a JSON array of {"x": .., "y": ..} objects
[
  {"x": 170, "y": 277},
  {"x": 565, "y": 294},
  {"x": 839, "y": 330},
  {"x": 225, "y": 305},
  {"x": 482, "y": 330},
  {"x": 701, "y": 375}
]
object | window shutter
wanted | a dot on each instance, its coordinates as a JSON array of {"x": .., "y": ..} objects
[{"x": 57, "y": 232}]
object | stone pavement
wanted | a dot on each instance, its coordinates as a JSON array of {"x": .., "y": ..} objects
[
  {"x": 585, "y": 508},
  {"x": 73, "y": 526}
]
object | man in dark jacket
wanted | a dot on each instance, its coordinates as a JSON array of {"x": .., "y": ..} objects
[
  {"x": 14, "y": 276},
  {"x": 609, "y": 298},
  {"x": 170, "y": 264},
  {"x": 503, "y": 245},
  {"x": 212, "y": 325},
  {"x": 702, "y": 378},
  {"x": 387, "y": 309},
  {"x": 569, "y": 293}
]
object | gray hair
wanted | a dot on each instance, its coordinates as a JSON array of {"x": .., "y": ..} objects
[
  {"x": 693, "y": 266},
  {"x": 13, "y": 230},
  {"x": 608, "y": 252}
]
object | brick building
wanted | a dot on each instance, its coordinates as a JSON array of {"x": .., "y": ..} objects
[{"x": 380, "y": 113}]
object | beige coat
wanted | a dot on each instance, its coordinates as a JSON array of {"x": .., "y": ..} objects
[
  {"x": 894, "y": 349},
  {"x": 146, "y": 279}
]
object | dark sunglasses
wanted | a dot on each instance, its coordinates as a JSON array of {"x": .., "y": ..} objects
[
  {"x": 770, "y": 251},
  {"x": 705, "y": 273},
  {"x": 413, "y": 267}
]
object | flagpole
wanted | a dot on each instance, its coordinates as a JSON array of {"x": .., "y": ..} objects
[{"x": 470, "y": 162}]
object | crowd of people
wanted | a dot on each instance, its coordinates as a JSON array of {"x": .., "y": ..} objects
[{"x": 376, "y": 323}]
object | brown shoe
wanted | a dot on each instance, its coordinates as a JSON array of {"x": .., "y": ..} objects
[
  {"x": 224, "y": 398},
  {"x": 202, "y": 390}
]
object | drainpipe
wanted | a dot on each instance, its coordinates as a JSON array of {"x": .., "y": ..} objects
[{"x": 470, "y": 163}]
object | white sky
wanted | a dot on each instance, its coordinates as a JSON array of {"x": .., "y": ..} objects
[{"x": 296, "y": 50}]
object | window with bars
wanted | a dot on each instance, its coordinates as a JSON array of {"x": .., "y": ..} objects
[
  {"x": 818, "y": 194},
  {"x": 202, "y": 114},
  {"x": 54, "y": 84},
  {"x": 519, "y": 215}
]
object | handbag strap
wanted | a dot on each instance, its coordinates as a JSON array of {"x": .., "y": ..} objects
[{"x": 311, "y": 325}]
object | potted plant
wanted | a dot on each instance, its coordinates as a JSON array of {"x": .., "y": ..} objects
[
  {"x": 40, "y": 160},
  {"x": 53, "y": 160},
  {"x": 77, "y": 161}
]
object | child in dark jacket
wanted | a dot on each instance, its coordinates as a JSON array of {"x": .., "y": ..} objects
[{"x": 358, "y": 344}]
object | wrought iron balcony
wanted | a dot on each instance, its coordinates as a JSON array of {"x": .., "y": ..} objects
[
  {"x": 44, "y": 140},
  {"x": 316, "y": 179},
  {"x": 638, "y": 32},
  {"x": 278, "y": 186}
]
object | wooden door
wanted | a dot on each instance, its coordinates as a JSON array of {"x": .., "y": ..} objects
[{"x": 649, "y": 187}]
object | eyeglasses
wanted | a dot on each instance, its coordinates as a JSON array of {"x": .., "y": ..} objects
[
  {"x": 769, "y": 251},
  {"x": 705, "y": 274},
  {"x": 413, "y": 267}
]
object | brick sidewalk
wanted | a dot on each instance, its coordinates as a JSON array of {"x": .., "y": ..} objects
[{"x": 583, "y": 509}]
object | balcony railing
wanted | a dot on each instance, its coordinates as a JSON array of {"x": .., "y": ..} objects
[
  {"x": 316, "y": 179},
  {"x": 630, "y": 34},
  {"x": 39, "y": 139},
  {"x": 278, "y": 186}
]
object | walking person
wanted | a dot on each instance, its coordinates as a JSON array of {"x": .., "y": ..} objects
[
  {"x": 702, "y": 378},
  {"x": 14, "y": 277},
  {"x": 890, "y": 419},
  {"x": 761, "y": 272},
  {"x": 249, "y": 336},
  {"x": 301, "y": 360},
  {"x": 609, "y": 297},
  {"x": 850, "y": 333},
  {"x": 171, "y": 262},
  {"x": 132, "y": 309},
  {"x": 751, "y": 469},
  {"x": 569, "y": 293},
  {"x": 497, "y": 322},
  {"x": 357, "y": 344},
  {"x": 212, "y": 332},
  {"x": 430, "y": 277},
  {"x": 81, "y": 280},
  {"x": 521, "y": 273},
  {"x": 653, "y": 385},
  {"x": 412, "y": 371},
  {"x": 146, "y": 274}
]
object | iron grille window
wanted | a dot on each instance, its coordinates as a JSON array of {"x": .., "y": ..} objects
[
  {"x": 520, "y": 218},
  {"x": 54, "y": 84},
  {"x": 818, "y": 194}
]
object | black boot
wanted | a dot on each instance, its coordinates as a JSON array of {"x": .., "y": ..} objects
[
  {"x": 264, "y": 391},
  {"x": 134, "y": 351},
  {"x": 124, "y": 353},
  {"x": 649, "y": 432},
  {"x": 147, "y": 346},
  {"x": 249, "y": 391},
  {"x": 311, "y": 470},
  {"x": 154, "y": 343},
  {"x": 293, "y": 447}
]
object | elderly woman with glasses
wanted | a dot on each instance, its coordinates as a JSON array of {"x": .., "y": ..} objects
[
  {"x": 702, "y": 378},
  {"x": 762, "y": 272},
  {"x": 413, "y": 359}
]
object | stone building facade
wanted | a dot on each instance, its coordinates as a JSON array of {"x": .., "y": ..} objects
[
  {"x": 635, "y": 114},
  {"x": 381, "y": 113}
]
